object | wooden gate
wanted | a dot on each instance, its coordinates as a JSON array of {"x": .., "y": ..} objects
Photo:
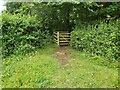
[{"x": 62, "y": 38}]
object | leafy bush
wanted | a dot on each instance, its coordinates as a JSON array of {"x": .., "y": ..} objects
[
  {"x": 22, "y": 33},
  {"x": 101, "y": 39}
]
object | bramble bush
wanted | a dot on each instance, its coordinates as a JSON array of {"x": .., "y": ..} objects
[
  {"x": 98, "y": 38},
  {"x": 22, "y": 34}
]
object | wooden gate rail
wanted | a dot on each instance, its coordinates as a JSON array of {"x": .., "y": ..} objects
[{"x": 62, "y": 38}]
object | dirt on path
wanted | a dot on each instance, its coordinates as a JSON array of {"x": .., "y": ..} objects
[{"x": 62, "y": 55}]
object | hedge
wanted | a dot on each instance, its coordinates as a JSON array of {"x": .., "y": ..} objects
[
  {"x": 99, "y": 37},
  {"x": 22, "y": 34}
]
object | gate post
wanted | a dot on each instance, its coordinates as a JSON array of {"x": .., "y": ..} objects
[{"x": 58, "y": 38}]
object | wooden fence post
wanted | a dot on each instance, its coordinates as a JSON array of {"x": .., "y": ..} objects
[{"x": 58, "y": 38}]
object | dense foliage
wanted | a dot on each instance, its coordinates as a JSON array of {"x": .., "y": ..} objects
[
  {"x": 29, "y": 25},
  {"x": 22, "y": 33},
  {"x": 100, "y": 38}
]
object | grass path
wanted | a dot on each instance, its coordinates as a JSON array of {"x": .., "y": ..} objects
[
  {"x": 57, "y": 67},
  {"x": 62, "y": 55}
]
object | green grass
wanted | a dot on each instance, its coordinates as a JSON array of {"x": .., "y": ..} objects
[{"x": 42, "y": 70}]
